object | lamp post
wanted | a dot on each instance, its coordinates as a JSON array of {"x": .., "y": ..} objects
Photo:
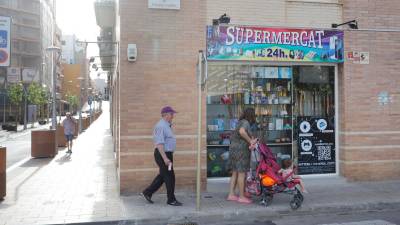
[
  {"x": 80, "y": 103},
  {"x": 54, "y": 50}
]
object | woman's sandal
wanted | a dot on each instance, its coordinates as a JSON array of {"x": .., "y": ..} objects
[{"x": 232, "y": 198}]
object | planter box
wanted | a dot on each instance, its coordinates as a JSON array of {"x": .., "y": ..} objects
[
  {"x": 85, "y": 123},
  {"x": 43, "y": 143},
  {"x": 3, "y": 180},
  {"x": 61, "y": 141},
  {"x": 76, "y": 129}
]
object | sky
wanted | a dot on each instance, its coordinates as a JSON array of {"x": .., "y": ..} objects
[{"x": 78, "y": 17}]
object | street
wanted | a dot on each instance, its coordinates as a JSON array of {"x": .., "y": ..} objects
[
  {"x": 387, "y": 217},
  {"x": 18, "y": 148}
]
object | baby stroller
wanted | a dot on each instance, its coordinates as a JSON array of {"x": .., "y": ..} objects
[{"x": 266, "y": 181}]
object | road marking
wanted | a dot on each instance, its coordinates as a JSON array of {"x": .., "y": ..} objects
[
  {"x": 365, "y": 222},
  {"x": 17, "y": 164}
]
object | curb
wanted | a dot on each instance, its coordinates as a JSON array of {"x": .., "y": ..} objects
[{"x": 258, "y": 213}]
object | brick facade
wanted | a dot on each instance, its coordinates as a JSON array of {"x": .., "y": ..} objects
[
  {"x": 369, "y": 133},
  {"x": 168, "y": 42}
]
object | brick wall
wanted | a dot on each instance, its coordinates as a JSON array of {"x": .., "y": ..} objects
[
  {"x": 168, "y": 42},
  {"x": 164, "y": 74},
  {"x": 370, "y": 132},
  {"x": 286, "y": 13}
]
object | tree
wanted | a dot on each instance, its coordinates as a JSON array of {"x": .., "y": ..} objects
[
  {"x": 73, "y": 101},
  {"x": 37, "y": 95},
  {"x": 15, "y": 94},
  {"x": 43, "y": 100}
]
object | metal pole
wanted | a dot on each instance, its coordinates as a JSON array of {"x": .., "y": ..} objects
[
  {"x": 25, "y": 119},
  {"x": 199, "y": 114},
  {"x": 90, "y": 110},
  {"x": 80, "y": 109},
  {"x": 54, "y": 115},
  {"x": 4, "y": 108}
]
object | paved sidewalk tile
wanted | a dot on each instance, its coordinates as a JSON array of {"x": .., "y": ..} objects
[{"x": 68, "y": 187}]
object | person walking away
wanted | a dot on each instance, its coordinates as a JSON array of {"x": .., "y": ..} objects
[
  {"x": 165, "y": 145},
  {"x": 242, "y": 141},
  {"x": 69, "y": 130}
]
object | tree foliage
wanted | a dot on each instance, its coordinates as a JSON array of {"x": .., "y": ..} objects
[
  {"x": 15, "y": 93},
  {"x": 34, "y": 93}
]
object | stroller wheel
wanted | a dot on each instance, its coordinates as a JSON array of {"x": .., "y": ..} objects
[
  {"x": 299, "y": 196},
  {"x": 295, "y": 203},
  {"x": 266, "y": 200}
]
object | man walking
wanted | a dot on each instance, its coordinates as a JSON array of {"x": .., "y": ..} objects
[
  {"x": 69, "y": 130},
  {"x": 165, "y": 145}
]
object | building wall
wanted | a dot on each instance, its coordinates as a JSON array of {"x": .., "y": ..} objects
[
  {"x": 164, "y": 74},
  {"x": 370, "y": 140},
  {"x": 71, "y": 84},
  {"x": 68, "y": 49},
  {"x": 286, "y": 13}
]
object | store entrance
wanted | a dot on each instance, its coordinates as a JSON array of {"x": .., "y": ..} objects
[{"x": 295, "y": 107}]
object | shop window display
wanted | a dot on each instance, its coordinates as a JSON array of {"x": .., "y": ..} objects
[{"x": 279, "y": 94}]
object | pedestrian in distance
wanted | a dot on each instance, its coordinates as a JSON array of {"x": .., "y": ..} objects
[
  {"x": 69, "y": 130},
  {"x": 242, "y": 142},
  {"x": 164, "y": 147}
]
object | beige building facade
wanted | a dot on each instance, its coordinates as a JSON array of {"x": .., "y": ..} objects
[{"x": 363, "y": 95}]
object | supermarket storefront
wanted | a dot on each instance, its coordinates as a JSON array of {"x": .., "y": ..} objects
[{"x": 289, "y": 76}]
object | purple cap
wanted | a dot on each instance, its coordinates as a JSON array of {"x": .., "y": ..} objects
[{"x": 168, "y": 109}]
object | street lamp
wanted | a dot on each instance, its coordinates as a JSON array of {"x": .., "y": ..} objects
[
  {"x": 80, "y": 104},
  {"x": 54, "y": 50}
]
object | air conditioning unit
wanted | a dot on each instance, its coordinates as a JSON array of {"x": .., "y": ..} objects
[{"x": 132, "y": 52}]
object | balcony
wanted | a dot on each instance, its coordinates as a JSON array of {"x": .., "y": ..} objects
[{"x": 105, "y": 13}]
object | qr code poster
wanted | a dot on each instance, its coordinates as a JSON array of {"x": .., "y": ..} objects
[{"x": 316, "y": 145}]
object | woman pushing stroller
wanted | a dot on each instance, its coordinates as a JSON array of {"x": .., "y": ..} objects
[{"x": 242, "y": 142}]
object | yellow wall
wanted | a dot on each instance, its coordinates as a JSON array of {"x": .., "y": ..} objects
[{"x": 71, "y": 84}]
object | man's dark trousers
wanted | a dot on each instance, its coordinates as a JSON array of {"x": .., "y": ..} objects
[{"x": 165, "y": 175}]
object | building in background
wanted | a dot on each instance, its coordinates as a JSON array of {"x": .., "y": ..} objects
[
  {"x": 100, "y": 87},
  {"x": 33, "y": 30},
  {"x": 76, "y": 67}
]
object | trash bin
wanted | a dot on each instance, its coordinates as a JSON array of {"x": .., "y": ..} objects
[
  {"x": 44, "y": 143},
  {"x": 3, "y": 180}
]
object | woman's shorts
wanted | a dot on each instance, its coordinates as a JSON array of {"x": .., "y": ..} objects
[{"x": 69, "y": 137}]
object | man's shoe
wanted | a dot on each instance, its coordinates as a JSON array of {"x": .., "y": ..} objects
[
  {"x": 148, "y": 198},
  {"x": 175, "y": 203}
]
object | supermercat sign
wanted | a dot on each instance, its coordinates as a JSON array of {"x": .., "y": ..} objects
[{"x": 274, "y": 44}]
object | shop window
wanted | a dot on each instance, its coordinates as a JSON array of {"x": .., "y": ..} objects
[{"x": 284, "y": 99}]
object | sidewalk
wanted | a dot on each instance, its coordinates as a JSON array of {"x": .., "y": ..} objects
[{"x": 84, "y": 188}]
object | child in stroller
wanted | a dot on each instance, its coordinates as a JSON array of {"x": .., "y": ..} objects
[
  {"x": 288, "y": 172},
  {"x": 269, "y": 181}
]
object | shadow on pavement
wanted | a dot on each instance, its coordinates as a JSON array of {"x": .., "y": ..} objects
[
  {"x": 38, "y": 164},
  {"x": 64, "y": 159}
]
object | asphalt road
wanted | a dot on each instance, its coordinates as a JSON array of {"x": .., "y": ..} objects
[
  {"x": 386, "y": 217},
  {"x": 18, "y": 148}
]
